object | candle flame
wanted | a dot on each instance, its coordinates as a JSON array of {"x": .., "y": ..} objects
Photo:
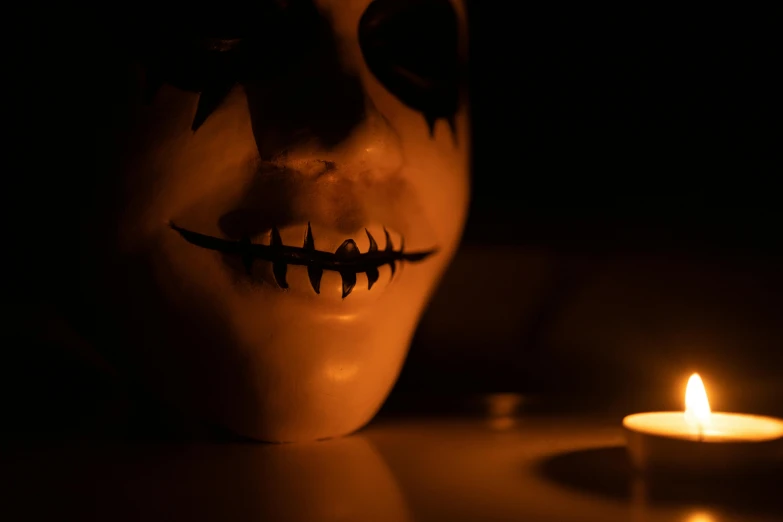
[{"x": 697, "y": 407}]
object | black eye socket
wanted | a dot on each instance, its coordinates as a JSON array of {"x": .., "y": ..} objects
[
  {"x": 411, "y": 46},
  {"x": 192, "y": 64},
  {"x": 255, "y": 44},
  {"x": 209, "y": 66}
]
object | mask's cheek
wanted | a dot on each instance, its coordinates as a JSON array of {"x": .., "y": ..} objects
[
  {"x": 436, "y": 166},
  {"x": 343, "y": 15},
  {"x": 170, "y": 167}
]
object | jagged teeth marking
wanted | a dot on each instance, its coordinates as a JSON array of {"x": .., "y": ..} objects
[
  {"x": 372, "y": 277},
  {"x": 389, "y": 244},
  {"x": 309, "y": 241},
  {"x": 275, "y": 240},
  {"x": 373, "y": 244},
  {"x": 347, "y": 250},
  {"x": 247, "y": 257},
  {"x": 349, "y": 281},
  {"x": 315, "y": 273},
  {"x": 279, "y": 270}
]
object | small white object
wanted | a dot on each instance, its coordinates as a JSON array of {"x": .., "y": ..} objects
[{"x": 702, "y": 441}]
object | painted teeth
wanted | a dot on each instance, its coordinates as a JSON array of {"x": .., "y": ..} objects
[
  {"x": 279, "y": 268},
  {"x": 247, "y": 257},
  {"x": 373, "y": 244},
  {"x": 349, "y": 281},
  {"x": 314, "y": 272},
  {"x": 347, "y": 251},
  {"x": 347, "y": 259},
  {"x": 390, "y": 248},
  {"x": 372, "y": 277},
  {"x": 389, "y": 245},
  {"x": 276, "y": 239},
  {"x": 309, "y": 242},
  {"x": 372, "y": 273}
]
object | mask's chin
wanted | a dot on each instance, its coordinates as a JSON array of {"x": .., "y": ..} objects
[{"x": 275, "y": 364}]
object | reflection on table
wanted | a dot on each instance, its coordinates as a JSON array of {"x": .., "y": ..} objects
[{"x": 501, "y": 466}]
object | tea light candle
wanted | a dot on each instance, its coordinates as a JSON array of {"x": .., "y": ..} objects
[{"x": 702, "y": 441}]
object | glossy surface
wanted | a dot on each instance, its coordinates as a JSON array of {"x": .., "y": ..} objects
[{"x": 498, "y": 468}]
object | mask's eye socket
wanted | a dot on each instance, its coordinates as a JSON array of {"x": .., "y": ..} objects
[
  {"x": 191, "y": 64},
  {"x": 255, "y": 43},
  {"x": 209, "y": 66},
  {"x": 411, "y": 46}
]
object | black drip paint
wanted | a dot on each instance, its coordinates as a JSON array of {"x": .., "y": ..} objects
[
  {"x": 210, "y": 99},
  {"x": 347, "y": 259},
  {"x": 283, "y": 50},
  {"x": 209, "y": 66},
  {"x": 412, "y": 48}
]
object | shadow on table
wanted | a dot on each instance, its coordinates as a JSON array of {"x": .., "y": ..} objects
[{"x": 606, "y": 471}]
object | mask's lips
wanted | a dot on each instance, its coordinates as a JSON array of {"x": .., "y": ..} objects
[{"x": 347, "y": 260}]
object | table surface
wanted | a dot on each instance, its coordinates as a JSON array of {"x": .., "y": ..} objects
[{"x": 491, "y": 468}]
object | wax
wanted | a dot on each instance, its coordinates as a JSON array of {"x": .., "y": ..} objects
[
  {"x": 721, "y": 427},
  {"x": 699, "y": 440}
]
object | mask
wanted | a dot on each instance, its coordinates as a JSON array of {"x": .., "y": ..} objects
[{"x": 293, "y": 182}]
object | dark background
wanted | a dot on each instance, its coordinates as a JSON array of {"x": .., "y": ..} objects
[
  {"x": 624, "y": 228},
  {"x": 623, "y": 232}
]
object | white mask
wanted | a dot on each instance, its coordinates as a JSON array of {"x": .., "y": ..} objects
[{"x": 289, "y": 200}]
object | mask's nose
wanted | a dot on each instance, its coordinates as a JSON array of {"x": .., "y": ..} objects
[{"x": 305, "y": 96}]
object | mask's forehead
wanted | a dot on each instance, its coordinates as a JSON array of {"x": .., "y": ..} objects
[
  {"x": 343, "y": 17},
  {"x": 344, "y": 14}
]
